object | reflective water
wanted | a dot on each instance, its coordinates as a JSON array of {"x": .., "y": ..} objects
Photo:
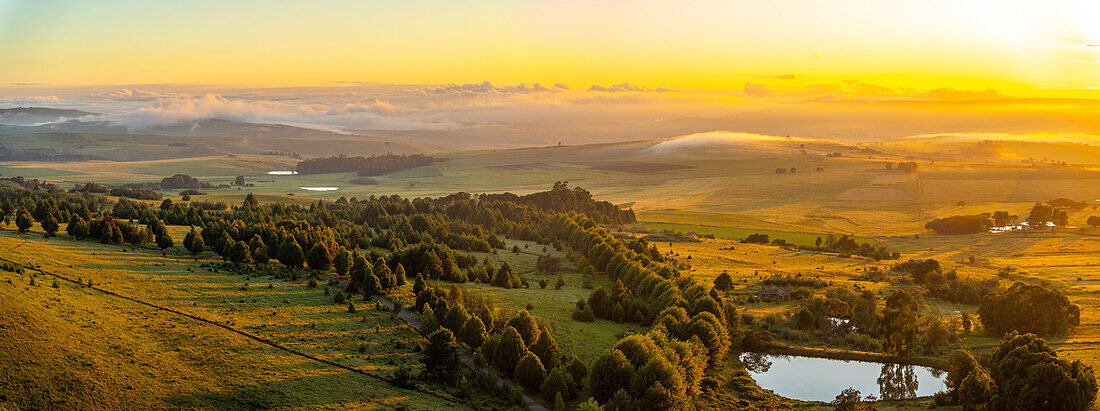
[
  {"x": 320, "y": 188},
  {"x": 282, "y": 173},
  {"x": 821, "y": 379}
]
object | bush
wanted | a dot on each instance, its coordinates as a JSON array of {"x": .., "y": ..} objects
[
  {"x": 1029, "y": 309},
  {"x": 530, "y": 372}
]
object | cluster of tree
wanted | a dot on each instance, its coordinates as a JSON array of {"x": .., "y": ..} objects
[
  {"x": 946, "y": 284},
  {"x": 136, "y": 192},
  {"x": 363, "y": 166},
  {"x": 1067, "y": 204},
  {"x": 1023, "y": 373},
  {"x": 282, "y": 153},
  {"x": 561, "y": 199},
  {"x": 962, "y": 224},
  {"x": 848, "y": 246},
  {"x": 659, "y": 370},
  {"x": 182, "y": 181},
  {"x": 907, "y": 167},
  {"x": 1028, "y": 309},
  {"x": 1044, "y": 214}
]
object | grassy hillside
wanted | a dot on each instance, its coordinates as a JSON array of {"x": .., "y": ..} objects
[{"x": 74, "y": 346}]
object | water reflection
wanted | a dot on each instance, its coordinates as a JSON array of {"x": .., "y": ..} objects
[
  {"x": 756, "y": 362},
  {"x": 820, "y": 379},
  {"x": 897, "y": 382}
]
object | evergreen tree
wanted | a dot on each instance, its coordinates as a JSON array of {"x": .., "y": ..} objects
[
  {"x": 456, "y": 317},
  {"x": 319, "y": 258},
  {"x": 473, "y": 333},
  {"x": 239, "y": 253},
  {"x": 510, "y": 351},
  {"x": 164, "y": 241},
  {"x": 50, "y": 225},
  {"x": 399, "y": 275},
  {"x": 342, "y": 262},
  {"x": 527, "y": 327},
  {"x": 197, "y": 245},
  {"x": 559, "y": 383},
  {"x": 546, "y": 348},
  {"x": 24, "y": 221},
  {"x": 259, "y": 249},
  {"x": 290, "y": 253},
  {"x": 77, "y": 227},
  {"x": 611, "y": 372},
  {"x": 1028, "y": 375},
  {"x": 360, "y": 270},
  {"x": 530, "y": 373},
  {"x": 428, "y": 322},
  {"x": 723, "y": 282},
  {"x": 385, "y": 276},
  {"x": 441, "y": 357}
]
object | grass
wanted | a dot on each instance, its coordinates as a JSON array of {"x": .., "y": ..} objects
[{"x": 73, "y": 346}]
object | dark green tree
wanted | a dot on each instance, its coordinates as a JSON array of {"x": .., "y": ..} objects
[
  {"x": 510, "y": 351},
  {"x": 290, "y": 253},
  {"x": 1028, "y": 309},
  {"x": 319, "y": 258},
  {"x": 530, "y": 373},
  {"x": 342, "y": 261},
  {"x": 611, "y": 372},
  {"x": 473, "y": 333},
  {"x": 1028, "y": 375},
  {"x": 164, "y": 240},
  {"x": 441, "y": 357},
  {"x": 239, "y": 253},
  {"x": 24, "y": 221},
  {"x": 723, "y": 282},
  {"x": 50, "y": 225}
]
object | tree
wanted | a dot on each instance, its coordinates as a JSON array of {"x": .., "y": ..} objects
[
  {"x": 239, "y": 253},
  {"x": 259, "y": 249},
  {"x": 611, "y": 372},
  {"x": 1040, "y": 215},
  {"x": 399, "y": 275},
  {"x": 473, "y": 333},
  {"x": 369, "y": 284},
  {"x": 319, "y": 258},
  {"x": 849, "y": 400},
  {"x": 530, "y": 372},
  {"x": 723, "y": 282},
  {"x": 546, "y": 348},
  {"x": 250, "y": 201},
  {"x": 510, "y": 351},
  {"x": 899, "y": 324},
  {"x": 506, "y": 277},
  {"x": 360, "y": 270},
  {"x": 440, "y": 357},
  {"x": 456, "y": 317},
  {"x": 1028, "y": 309},
  {"x": 428, "y": 322},
  {"x": 966, "y": 322},
  {"x": 290, "y": 253},
  {"x": 385, "y": 277},
  {"x": 50, "y": 225},
  {"x": 1028, "y": 375},
  {"x": 164, "y": 241},
  {"x": 77, "y": 227},
  {"x": 116, "y": 234},
  {"x": 239, "y": 181},
  {"x": 197, "y": 244},
  {"x": 659, "y": 384},
  {"x": 527, "y": 327},
  {"x": 559, "y": 383},
  {"x": 24, "y": 221},
  {"x": 342, "y": 262}
]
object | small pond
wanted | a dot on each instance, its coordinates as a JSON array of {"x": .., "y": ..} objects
[
  {"x": 320, "y": 188},
  {"x": 821, "y": 379},
  {"x": 282, "y": 173}
]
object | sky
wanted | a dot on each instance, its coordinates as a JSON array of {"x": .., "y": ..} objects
[{"x": 635, "y": 61}]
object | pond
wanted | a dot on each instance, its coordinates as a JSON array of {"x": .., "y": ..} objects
[
  {"x": 282, "y": 173},
  {"x": 320, "y": 188},
  {"x": 821, "y": 379}
]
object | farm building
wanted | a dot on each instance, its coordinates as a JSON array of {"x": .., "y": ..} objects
[{"x": 774, "y": 293}]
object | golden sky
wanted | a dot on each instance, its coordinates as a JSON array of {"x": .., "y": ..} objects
[{"x": 1021, "y": 48}]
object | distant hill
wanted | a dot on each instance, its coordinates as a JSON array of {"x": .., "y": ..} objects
[{"x": 23, "y": 116}]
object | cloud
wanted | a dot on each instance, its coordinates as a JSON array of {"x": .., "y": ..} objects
[
  {"x": 756, "y": 90},
  {"x": 561, "y": 86},
  {"x": 627, "y": 87},
  {"x": 488, "y": 88},
  {"x": 181, "y": 110},
  {"x": 786, "y": 77},
  {"x": 132, "y": 95}
]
